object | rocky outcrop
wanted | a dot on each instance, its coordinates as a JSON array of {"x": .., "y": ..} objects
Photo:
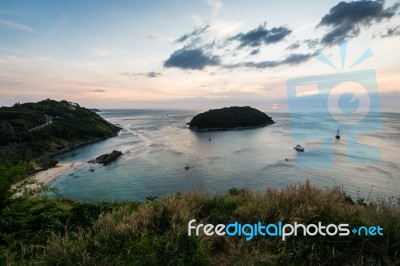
[{"x": 107, "y": 158}]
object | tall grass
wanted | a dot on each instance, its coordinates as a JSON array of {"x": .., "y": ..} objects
[{"x": 156, "y": 233}]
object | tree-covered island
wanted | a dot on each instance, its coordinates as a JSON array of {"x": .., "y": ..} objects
[{"x": 230, "y": 118}]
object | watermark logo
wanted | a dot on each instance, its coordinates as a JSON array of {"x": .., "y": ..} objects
[
  {"x": 279, "y": 229},
  {"x": 343, "y": 104}
]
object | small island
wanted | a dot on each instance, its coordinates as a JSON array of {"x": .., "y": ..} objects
[
  {"x": 230, "y": 118},
  {"x": 107, "y": 158}
]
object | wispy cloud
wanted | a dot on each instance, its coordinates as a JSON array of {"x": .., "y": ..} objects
[
  {"x": 261, "y": 35},
  {"x": 199, "y": 51},
  {"x": 391, "y": 31},
  {"x": 292, "y": 59},
  {"x": 151, "y": 74},
  {"x": 12, "y": 60},
  {"x": 99, "y": 90},
  {"x": 160, "y": 37},
  {"x": 12, "y": 25},
  {"x": 293, "y": 46},
  {"x": 196, "y": 32},
  {"x": 312, "y": 43},
  {"x": 224, "y": 28},
  {"x": 216, "y": 6},
  {"x": 100, "y": 52}
]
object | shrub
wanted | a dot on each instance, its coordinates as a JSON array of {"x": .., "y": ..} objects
[{"x": 156, "y": 232}]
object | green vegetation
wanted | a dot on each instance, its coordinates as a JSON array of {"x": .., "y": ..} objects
[
  {"x": 71, "y": 125},
  {"x": 28, "y": 222},
  {"x": 230, "y": 118},
  {"x": 30, "y": 135},
  {"x": 155, "y": 233},
  {"x": 23, "y": 149},
  {"x": 10, "y": 173}
]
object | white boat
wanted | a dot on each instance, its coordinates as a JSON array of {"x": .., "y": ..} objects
[{"x": 298, "y": 147}]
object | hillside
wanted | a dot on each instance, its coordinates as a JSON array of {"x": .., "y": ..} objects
[
  {"x": 156, "y": 233},
  {"x": 230, "y": 118},
  {"x": 31, "y": 130},
  {"x": 32, "y": 133}
]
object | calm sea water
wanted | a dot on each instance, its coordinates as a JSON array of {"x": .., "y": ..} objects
[{"x": 157, "y": 145}]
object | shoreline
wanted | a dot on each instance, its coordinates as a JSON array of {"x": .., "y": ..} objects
[
  {"x": 46, "y": 176},
  {"x": 83, "y": 143}
]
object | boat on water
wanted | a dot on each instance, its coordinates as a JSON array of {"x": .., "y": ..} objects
[
  {"x": 337, "y": 134},
  {"x": 298, "y": 147},
  {"x": 187, "y": 167}
]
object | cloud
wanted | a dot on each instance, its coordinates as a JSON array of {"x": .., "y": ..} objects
[
  {"x": 224, "y": 28},
  {"x": 196, "y": 32},
  {"x": 99, "y": 90},
  {"x": 346, "y": 19},
  {"x": 150, "y": 74},
  {"x": 153, "y": 74},
  {"x": 255, "y": 51},
  {"x": 216, "y": 6},
  {"x": 292, "y": 59},
  {"x": 258, "y": 65},
  {"x": 12, "y": 60},
  {"x": 311, "y": 43},
  {"x": 293, "y": 46},
  {"x": 100, "y": 52},
  {"x": 295, "y": 59},
  {"x": 14, "y": 25},
  {"x": 187, "y": 58},
  {"x": 201, "y": 51},
  {"x": 160, "y": 37},
  {"x": 392, "y": 31},
  {"x": 261, "y": 35}
]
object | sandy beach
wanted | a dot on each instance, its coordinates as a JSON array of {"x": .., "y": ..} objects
[{"x": 46, "y": 176}]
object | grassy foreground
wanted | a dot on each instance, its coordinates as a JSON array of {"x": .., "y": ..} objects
[{"x": 155, "y": 233}]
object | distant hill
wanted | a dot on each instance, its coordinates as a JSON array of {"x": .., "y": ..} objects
[
  {"x": 30, "y": 130},
  {"x": 230, "y": 118}
]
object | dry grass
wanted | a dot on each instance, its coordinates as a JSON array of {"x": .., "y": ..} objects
[{"x": 156, "y": 232}]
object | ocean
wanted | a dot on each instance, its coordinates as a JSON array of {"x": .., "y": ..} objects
[{"x": 157, "y": 145}]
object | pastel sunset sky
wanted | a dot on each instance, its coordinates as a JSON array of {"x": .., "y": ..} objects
[{"x": 189, "y": 54}]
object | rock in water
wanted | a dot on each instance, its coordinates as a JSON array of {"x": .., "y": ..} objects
[{"x": 108, "y": 158}]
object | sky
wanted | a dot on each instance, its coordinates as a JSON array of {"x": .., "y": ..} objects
[{"x": 193, "y": 54}]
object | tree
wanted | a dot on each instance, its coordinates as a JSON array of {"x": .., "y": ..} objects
[{"x": 7, "y": 133}]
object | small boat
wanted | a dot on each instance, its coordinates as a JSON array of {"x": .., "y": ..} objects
[
  {"x": 187, "y": 167},
  {"x": 337, "y": 134},
  {"x": 91, "y": 170},
  {"x": 298, "y": 147}
]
